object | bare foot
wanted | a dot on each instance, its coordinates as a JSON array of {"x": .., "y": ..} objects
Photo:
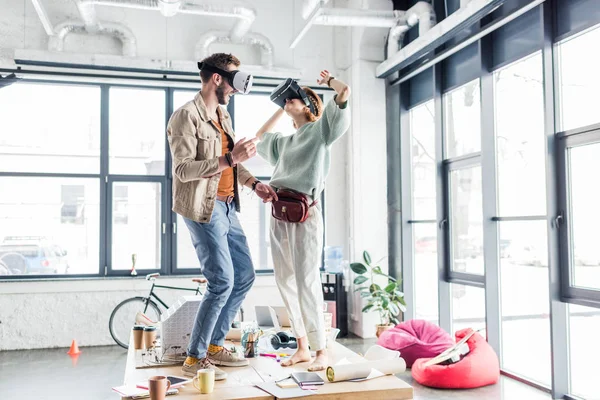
[
  {"x": 320, "y": 362},
  {"x": 301, "y": 355}
]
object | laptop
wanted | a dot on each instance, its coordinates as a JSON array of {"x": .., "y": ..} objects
[{"x": 272, "y": 317}]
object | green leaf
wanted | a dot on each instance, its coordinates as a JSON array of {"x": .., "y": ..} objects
[
  {"x": 390, "y": 288},
  {"x": 385, "y": 304},
  {"x": 403, "y": 307},
  {"x": 358, "y": 268},
  {"x": 365, "y": 294},
  {"x": 398, "y": 293},
  {"x": 367, "y": 257},
  {"x": 361, "y": 288},
  {"x": 377, "y": 270},
  {"x": 360, "y": 279},
  {"x": 394, "y": 310},
  {"x": 374, "y": 287},
  {"x": 401, "y": 301},
  {"x": 367, "y": 307}
]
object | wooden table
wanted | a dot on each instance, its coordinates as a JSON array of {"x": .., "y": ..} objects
[{"x": 240, "y": 381}]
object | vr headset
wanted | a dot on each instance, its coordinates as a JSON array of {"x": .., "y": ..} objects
[
  {"x": 240, "y": 81},
  {"x": 289, "y": 89}
]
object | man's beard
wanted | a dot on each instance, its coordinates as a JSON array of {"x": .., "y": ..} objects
[{"x": 221, "y": 94}]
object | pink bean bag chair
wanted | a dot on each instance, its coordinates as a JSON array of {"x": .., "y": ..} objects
[
  {"x": 479, "y": 367},
  {"x": 415, "y": 339}
]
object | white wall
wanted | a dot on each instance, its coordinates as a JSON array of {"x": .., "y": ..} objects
[
  {"x": 52, "y": 313},
  {"x": 43, "y": 314}
]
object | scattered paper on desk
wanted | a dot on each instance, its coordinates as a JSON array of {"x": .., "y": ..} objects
[
  {"x": 279, "y": 393},
  {"x": 345, "y": 370}
]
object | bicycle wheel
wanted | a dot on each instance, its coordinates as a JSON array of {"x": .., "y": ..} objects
[{"x": 122, "y": 318}]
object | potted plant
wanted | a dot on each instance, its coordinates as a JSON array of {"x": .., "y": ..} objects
[{"x": 388, "y": 301}]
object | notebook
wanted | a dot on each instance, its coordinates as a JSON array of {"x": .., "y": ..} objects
[
  {"x": 307, "y": 378},
  {"x": 137, "y": 393}
]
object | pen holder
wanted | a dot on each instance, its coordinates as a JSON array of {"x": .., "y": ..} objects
[
  {"x": 250, "y": 344},
  {"x": 251, "y": 349}
]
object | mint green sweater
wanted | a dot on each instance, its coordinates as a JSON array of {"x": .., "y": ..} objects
[{"x": 302, "y": 160}]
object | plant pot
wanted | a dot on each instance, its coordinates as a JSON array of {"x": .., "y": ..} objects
[{"x": 383, "y": 328}]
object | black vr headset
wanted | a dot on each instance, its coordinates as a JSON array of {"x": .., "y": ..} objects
[
  {"x": 240, "y": 81},
  {"x": 289, "y": 89}
]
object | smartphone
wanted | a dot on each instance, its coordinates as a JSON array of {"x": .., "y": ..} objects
[{"x": 178, "y": 380}]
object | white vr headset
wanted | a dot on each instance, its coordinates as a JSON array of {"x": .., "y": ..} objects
[{"x": 239, "y": 80}]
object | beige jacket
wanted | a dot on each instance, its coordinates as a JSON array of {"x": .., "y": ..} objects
[{"x": 195, "y": 144}]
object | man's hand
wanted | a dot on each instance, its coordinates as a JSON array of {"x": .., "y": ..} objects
[
  {"x": 244, "y": 150},
  {"x": 265, "y": 192}
]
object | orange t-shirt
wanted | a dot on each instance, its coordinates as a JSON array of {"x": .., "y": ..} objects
[{"x": 226, "y": 182}]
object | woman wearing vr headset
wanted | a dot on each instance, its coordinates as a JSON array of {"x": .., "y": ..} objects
[{"x": 302, "y": 163}]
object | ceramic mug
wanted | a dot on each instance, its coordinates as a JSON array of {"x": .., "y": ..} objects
[
  {"x": 205, "y": 379},
  {"x": 158, "y": 386}
]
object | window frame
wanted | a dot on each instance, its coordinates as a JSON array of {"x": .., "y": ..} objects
[{"x": 168, "y": 225}]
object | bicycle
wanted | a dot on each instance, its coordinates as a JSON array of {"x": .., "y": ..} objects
[{"x": 124, "y": 315}]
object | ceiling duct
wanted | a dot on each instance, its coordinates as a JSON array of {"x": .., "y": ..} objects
[{"x": 251, "y": 39}]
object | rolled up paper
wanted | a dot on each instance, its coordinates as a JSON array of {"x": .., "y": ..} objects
[{"x": 338, "y": 373}]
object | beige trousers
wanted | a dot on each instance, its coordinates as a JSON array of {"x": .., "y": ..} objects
[{"x": 296, "y": 250}]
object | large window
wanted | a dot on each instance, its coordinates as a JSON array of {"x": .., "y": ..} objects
[
  {"x": 579, "y": 80},
  {"x": 137, "y": 131},
  {"x": 583, "y": 162},
  {"x": 517, "y": 142},
  {"x": 462, "y": 120},
  {"x": 584, "y": 325},
  {"x": 50, "y": 128},
  {"x": 86, "y": 186},
  {"x": 579, "y": 146},
  {"x": 423, "y": 215},
  {"x": 520, "y": 140},
  {"x": 49, "y": 179},
  {"x": 136, "y": 230},
  {"x": 49, "y": 225},
  {"x": 466, "y": 232},
  {"x": 522, "y": 239}
]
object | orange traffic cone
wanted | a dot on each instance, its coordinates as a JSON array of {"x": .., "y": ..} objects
[{"x": 74, "y": 349}]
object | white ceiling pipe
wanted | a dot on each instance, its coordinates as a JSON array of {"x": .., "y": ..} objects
[
  {"x": 251, "y": 39},
  {"x": 357, "y": 17},
  {"x": 244, "y": 15},
  {"x": 308, "y": 6},
  {"x": 421, "y": 13},
  {"x": 449, "y": 23},
  {"x": 57, "y": 41},
  {"x": 395, "y": 38},
  {"x": 43, "y": 15},
  {"x": 348, "y": 17}
]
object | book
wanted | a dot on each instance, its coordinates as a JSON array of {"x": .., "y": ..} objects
[{"x": 307, "y": 378}]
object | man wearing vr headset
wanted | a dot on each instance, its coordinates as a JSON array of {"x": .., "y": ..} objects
[
  {"x": 302, "y": 163},
  {"x": 206, "y": 171}
]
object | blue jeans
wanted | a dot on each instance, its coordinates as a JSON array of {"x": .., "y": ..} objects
[{"x": 225, "y": 262}]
